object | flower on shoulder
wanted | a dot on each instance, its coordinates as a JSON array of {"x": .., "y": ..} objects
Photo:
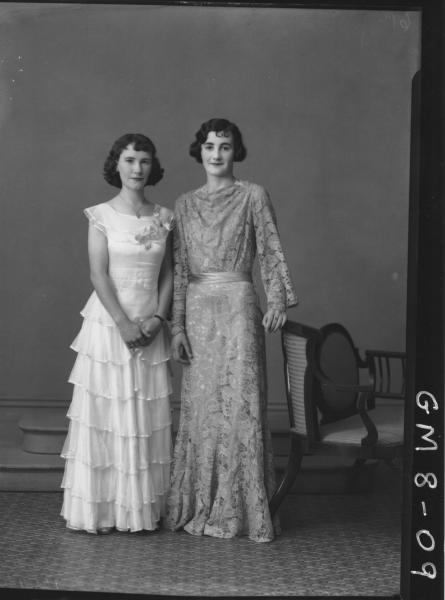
[{"x": 149, "y": 233}]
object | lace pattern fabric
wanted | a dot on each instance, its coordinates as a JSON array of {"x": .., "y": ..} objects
[
  {"x": 222, "y": 475},
  {"x": 224, "y": 231}
]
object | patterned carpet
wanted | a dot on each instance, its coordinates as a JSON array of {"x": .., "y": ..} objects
[{"x": 330, "y": 546}]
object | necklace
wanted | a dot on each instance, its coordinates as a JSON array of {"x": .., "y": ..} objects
[{"x": 137, "y": 212}]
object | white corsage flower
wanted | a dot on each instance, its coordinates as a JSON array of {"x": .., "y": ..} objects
[{"x": 149, "y": 234}]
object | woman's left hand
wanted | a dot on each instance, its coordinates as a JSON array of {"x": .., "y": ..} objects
[
  {"x": 274, "y": 319},
  {"x": 150, "y": 328}
]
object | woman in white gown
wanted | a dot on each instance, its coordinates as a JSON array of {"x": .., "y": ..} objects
[{"x": 118, "y": 447}]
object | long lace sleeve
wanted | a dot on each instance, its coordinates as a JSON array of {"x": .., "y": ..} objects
[
  {"x": 274, "y": 270},
  {"x": 180, "y": 273}
]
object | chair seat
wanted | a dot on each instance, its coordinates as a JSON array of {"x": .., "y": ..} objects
[
  {"x": 389, "y": 421},
  {"x": 323, "y": 373}
]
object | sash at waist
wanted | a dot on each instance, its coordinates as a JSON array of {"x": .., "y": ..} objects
[{"x": 220, "y": 277}]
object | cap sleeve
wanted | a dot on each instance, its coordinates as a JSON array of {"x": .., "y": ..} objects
[{"x": 95, "y": 216}]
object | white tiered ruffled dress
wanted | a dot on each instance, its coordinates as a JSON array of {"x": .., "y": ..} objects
[{"x": 118, "y": 447}]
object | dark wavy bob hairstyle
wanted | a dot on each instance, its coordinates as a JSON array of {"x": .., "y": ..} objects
[
  {"x": 140, "y": 143},
  {"x": 221, "y": 126}
]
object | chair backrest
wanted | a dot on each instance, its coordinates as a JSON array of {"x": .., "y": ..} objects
[
  {"x": 388, "y": 370},
  {"x": 298, "y": 343},
  {"x": 338, "y": 359}
]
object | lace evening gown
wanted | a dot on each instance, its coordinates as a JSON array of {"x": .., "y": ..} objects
[
  {"x": 222, "y": 475},
  {"x": 118, "y": 447}
]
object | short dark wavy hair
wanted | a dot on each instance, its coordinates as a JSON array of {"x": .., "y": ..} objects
[
  {"x": 218, "y": 126},
  {"x": 139, "y": 142}
]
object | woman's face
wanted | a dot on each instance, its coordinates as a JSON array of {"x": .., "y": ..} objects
[
  {"x": 134, "y": 168},
  {"x": 217, "y": 154}
]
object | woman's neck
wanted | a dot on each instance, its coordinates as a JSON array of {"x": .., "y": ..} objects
[
  {"x": 134, "y": 197},
  {"x": 215, "y": 184}
]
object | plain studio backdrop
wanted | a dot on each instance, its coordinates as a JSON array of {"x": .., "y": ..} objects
[{"x": 322, "y": 97}]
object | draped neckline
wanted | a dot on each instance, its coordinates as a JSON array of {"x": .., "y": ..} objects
[{"x": 204, "y": 194}]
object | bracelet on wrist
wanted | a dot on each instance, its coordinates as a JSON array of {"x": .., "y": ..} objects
[
  {"x": 159, "y": 317},
  {"x": 176, "y": 330}
]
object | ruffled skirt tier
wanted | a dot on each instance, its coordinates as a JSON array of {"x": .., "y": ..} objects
[{"x": 118, "y": 447}]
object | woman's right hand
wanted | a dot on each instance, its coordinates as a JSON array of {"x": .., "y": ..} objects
[
  {"x": 131, "y": 334},
  {"x": 181, "y": 349}
]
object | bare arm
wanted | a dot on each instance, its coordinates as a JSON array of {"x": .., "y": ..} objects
[
  {"x": 98, "y": 257},
  {"x": 152, "y": 325},
  {"x": 166, "y": 281}
]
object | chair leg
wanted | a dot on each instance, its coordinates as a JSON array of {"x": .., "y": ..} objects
[
  {"x": 293, "y": 466},
  {"x": 355, "y": 470},
  {"x": 390, "y": 463}
]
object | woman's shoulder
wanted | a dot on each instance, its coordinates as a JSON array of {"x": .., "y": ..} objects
[
  {"x": 166, "y": 216},
  {"x": 164, "y": 211},
  {"x": 98, "y": 215},
  {"x": 97, "y": 209},
  {"x": 258, "y": 194},
  {"x": 182, "y": 199},
  {"x": 255, "y": 190}
]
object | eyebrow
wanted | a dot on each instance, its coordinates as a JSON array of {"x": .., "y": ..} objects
[
  {"x": 221, "y": 143},
  {"x": 132, "y": 156}
]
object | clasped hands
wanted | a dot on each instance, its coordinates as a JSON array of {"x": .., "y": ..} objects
[{"x": 140, "y": 333}]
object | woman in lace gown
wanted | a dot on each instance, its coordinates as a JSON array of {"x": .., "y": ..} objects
[
  {"x": 222, "y": 476},
  {"x": 118, "y": 447}
]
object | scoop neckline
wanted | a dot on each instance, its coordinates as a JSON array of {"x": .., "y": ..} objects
[{"x": 156, "y": 209}]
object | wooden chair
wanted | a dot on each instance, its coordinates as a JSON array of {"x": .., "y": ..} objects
[{"x": 331, "y": 410}]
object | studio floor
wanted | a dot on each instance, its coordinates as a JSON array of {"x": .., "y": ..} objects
[{"x": 331, "y": 545}]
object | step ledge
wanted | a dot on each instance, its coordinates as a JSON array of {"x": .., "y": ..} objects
[
  {"x": 31, "y": 468},
  {"x": 55, "y": 425}
]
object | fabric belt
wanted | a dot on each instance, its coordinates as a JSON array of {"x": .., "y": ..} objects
[{"x": 220, "y": 277}]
